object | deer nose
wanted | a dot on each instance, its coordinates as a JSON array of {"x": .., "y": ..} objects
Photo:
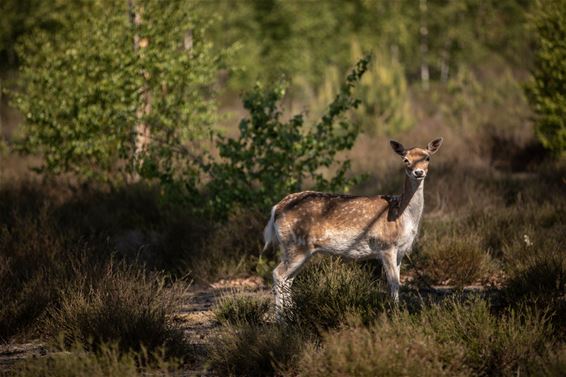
[{"x": 418, "y": 173}]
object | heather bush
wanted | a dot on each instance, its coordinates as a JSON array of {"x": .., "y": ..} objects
[
  {"x": 108, "y": 362},
  {"x": 454, "y": 338},
  {"x": 239, "y": 309},
  {"x": 256, "y": 350},
  {"x": 122, "y": 305},
  {"x": 326, "y": 293}
]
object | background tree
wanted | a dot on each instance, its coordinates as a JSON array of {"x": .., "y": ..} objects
[
  {"x": 547, "y": 92},
  {"x": 82, "y": 89}
]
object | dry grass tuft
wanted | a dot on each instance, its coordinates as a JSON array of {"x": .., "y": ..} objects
[{"x": 242, "y": 309}]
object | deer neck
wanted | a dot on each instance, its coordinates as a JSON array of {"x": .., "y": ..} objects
[{"x": 412, "y": 200}]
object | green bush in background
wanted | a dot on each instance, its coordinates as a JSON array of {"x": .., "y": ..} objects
[
  {"x": 272, "y": 157},
  {"x": 547, "y": 92}
]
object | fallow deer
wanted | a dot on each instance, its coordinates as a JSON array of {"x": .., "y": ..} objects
[{"x": 355, "y": 227}]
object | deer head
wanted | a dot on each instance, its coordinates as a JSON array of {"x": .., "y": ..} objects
[{"x": 416, "y": 159}]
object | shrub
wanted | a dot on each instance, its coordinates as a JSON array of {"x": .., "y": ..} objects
[
  {"x": 326, "y": 293},
  {"x": 124, "y": 305},
  {"x": 547, "y": 93},
  {"x": 108, "y": 362},
  {"x": 454, "y": 338},
  {"x": 551, "y": 365},
  {"x": 390, "y": 347},
  {"x": 493, "y": 345},
  {"x": 241, "y": 309},
  {"x": 536, "y": 269},
  {"x": 383, "y": 91},
  {"x": 255, "y": 350},
  {"x": 34, "y": 266},
  {"x": 453, "y": 258},
  {"x": 256, "y": 168}
]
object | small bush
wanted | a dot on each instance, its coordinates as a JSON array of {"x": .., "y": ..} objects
[
  {"x": 493, "y": 345},
  {"x": 448, "y": 339},
  {"x": 390, "y": 347},
  {"x": 35, "y": 264},
  {"x": 255, "y": 350},
  {"x": 125, "y": 306},
  {"x": 536, "y": 269},
  {"x": 326, "y": 293},
  {"x": 454, "y": 258},
  {"x": 108, "y": 362},
  {"x": 242, "y": 310},
  {"x": 552, "y": 364}
]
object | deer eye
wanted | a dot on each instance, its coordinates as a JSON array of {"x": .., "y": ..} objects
[
  {"x": 406, "y": 160},
  {"x": 427, "y": 158}
]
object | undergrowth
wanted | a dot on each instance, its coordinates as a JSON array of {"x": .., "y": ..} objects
[{"x": 108, "y": 362}]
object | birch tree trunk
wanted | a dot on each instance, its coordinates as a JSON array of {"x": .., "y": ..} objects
[
  {"x": 445, "y": 64},
  {"x": 142, "y": 131},
  {"x": 423, "y": 31}
]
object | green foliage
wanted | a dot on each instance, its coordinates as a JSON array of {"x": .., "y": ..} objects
[
  {"x": 383, "y": 93},
  {"x": 21, "y": 18},
  {"x": 272, "y": 157},
  {"x": 547, "y": 92},
  {"x": 86, "y": 88},
  {"x": 300, "y": 38},
  {"x": 384, "y": 96}
]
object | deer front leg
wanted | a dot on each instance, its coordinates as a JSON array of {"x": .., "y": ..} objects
[{"x": 392, "y": 269}]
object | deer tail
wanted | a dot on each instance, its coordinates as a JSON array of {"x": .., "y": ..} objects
[{"x": 270, "y": 232}]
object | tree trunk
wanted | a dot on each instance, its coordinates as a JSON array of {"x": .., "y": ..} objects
[
  {"x": 142, "y": 130},
  {"x": 445, "y": 65},
  {"x": 423, "y": 31}
]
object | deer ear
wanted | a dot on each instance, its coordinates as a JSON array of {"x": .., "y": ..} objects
[
  {"x": 434, "y": 145},
  {"x": 398, "y": 148}
]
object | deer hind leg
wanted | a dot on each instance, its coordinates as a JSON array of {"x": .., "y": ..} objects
[
  {"x": 392, "y": 272},
  {"x": 292, "y": 262}
]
